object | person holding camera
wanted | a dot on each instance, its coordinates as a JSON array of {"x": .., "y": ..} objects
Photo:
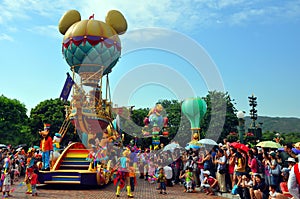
[{"x": 245, "y": 187}]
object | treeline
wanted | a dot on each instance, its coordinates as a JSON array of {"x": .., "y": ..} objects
[{"x": 219, "y": 121}]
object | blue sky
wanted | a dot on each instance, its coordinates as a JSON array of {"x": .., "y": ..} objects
[{"x": 253, "y": 46}]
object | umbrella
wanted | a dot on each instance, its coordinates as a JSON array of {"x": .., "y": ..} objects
[
  {"x": 269, "y": 144},
  {"x": 3, "y": 146},
  {"x": 296, "y": 151},
  {"x": 19, "y": 149},
  {"x": 207, "y": 142},
  {"x": 195, "y": 145},
  {"x": 241, "y": 146},
  {"x": 171, "y": 147}
]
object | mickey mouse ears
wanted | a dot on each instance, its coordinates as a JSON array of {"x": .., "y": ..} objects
[
  {"x": 116, "y": 20},
  {"x": 67, "y": 20}
]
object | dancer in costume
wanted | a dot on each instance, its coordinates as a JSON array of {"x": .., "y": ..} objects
[
  {"x": 122, "y": 177},
  {"x": 46, "y": 146},
  {"x": 29, "y": 169}
]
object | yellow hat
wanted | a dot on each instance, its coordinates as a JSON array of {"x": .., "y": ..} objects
[
  {"x": 126, "y": 152},
  {"x": 46, "y": 126}
]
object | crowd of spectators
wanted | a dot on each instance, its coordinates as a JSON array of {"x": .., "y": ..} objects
[{"x": 255, "y": 173}]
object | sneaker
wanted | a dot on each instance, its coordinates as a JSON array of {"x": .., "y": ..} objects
[
  {"x": 165, "y": 193},
  {"x": 160, "y": 192}
]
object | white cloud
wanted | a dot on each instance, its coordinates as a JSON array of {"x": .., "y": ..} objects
[
  {"x": 49, "y": 30},
  {"x": 5, "y": 37},
  {"x": 23, "y": 9},
  {"x": 178, "y": 15}
]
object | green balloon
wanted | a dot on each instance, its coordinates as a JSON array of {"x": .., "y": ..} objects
[{"x": 194, "y": 109}]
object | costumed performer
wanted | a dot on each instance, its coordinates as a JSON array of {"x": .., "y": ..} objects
[
  {"x": 56, "y": 147},
  {"x": 122, "y": 177},
  {"x": 29, "y": 169},
  {"x": 46, "y": 147}
]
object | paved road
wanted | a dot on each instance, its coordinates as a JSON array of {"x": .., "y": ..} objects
[{"x": 144, "y": 190}]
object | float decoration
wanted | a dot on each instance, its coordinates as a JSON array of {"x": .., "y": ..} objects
[
  {"x": 194, "y": 109},
  {"x": 91, "y": 48},
  {"x": 156, "y": 124}
]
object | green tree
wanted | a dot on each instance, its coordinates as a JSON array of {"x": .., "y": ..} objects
[
  {"x": 268, "y": 136},
  {"x": 139, "y": 115},
  {"x": 291, "y": 137},
  {"x": 53, "y": 112},
  {"x": 133, "y": 127},
  {"x": 173, "y": 113},
  {"x": 223, "y": 113},
  {"x": 219, "y": 107},
  {"x": 13, "y": 122}
]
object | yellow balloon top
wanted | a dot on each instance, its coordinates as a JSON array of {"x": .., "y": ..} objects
[{"x": 71, "y": 25}]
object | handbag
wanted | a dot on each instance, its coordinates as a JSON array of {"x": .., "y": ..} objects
[
  {"x": 234, "y": 190},
  {"x": 222, "y": 171}
]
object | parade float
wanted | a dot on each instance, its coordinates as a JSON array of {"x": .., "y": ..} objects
[
  {"x": 156, "y": 125},
  {"x": 194, "y": 109},
  {"x": 91, "y": 48}
]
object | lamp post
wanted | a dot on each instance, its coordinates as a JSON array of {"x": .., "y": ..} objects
[{"x": 241, "y": 128}]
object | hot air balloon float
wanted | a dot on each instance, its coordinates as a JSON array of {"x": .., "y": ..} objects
[
  {"x": 194, "y": 109},
  {"x": 155, "y": 125},
  {"x": 91, "y": 48}
]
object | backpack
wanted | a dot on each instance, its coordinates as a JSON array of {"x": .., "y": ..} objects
[{"x": 260, "y": 166}]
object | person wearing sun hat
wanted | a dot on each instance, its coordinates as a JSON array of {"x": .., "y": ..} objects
[
  {"x": 291, "y": 162},
  {"x": 274, "y": 169},
  {"x": 273, "y": 154},
  {"x": 209, "y": 183}
]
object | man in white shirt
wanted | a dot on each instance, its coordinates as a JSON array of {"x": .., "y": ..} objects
[
  {"x": 293, "y": 186},
  {"x": 169, "y": 174}
]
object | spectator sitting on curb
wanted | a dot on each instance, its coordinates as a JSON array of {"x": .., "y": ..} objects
[{"x": 210, "y": 184}]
